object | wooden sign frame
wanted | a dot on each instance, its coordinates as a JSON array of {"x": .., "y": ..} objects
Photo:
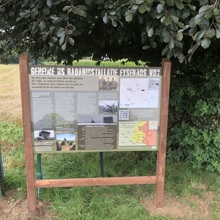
[{"x": 31, "y": 181}]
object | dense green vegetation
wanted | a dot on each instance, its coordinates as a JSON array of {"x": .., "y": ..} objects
[
  {"x": 194, "y": 115},
  {"x": 135, "y": 29}
]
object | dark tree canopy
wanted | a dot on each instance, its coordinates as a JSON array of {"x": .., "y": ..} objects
[{"x": 135, "y": 29}]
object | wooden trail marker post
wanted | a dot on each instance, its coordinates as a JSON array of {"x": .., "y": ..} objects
[
  {"x": 28, "y": 149},
  {"x": 161, "y": 155},
  {"x": 32, "y": 183}
]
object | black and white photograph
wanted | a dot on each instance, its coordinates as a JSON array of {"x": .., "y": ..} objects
[
  {"x": 108, "y": 106},
  {"x": 97, "y": 119},
  {"x": 44, "y": 135},
  {"x": 108, "y": 83}
]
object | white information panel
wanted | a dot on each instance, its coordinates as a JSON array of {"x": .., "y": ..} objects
[{"x": 78, "y": 109}]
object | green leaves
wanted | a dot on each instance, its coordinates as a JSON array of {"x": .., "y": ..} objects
[
  {"x": 170, "y": 2},
  {"x": 205, "y": 43},
  {"x": 62, "y": 39},
  {"x": 179, "y": 4},
  {"x": 160, "y": 8},
  {"x": 23, "y": 14},
  {"x": 217, "y": 33},
  {"x": 94, "y": 25},
  {"x": 66, "y": 8},
  {"x": 65, "y": 37},
  {"x": 49, "y": 3},
  {"x": 42, "y": 25},
  {"x": 105, "y": 18},
  {"x": 70, "y": 40},
  {"x": 210, "y": 33},
  {"x": 88, "y": 1},
  {"x": 79, "y": 10},
  {"x": 166, "y": 20},
  {"x": 143, "y": 8},
  {"x": 179, "y": 36},
  {"x": 138, "y": 2},
  {"x": 60, "y": 32},
  {"x": 150, "y": 32},
  {"x": 194, "y": 125},
  {"x": 129, "y": 15}
]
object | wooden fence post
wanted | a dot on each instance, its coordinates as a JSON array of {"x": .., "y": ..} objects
[
  {"x": 161, "y": 155},
  {"x": 28, "y": 149}
]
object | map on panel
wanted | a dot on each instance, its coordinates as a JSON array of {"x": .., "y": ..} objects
[
  {"x": 138, "y": 133},
  {"x": 139, "y": 93}
]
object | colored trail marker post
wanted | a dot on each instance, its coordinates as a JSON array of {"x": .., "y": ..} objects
[{"x": 70, "y": 109}]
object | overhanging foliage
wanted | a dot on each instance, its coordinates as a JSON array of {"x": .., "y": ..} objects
[{"x": 135, "y": 29}]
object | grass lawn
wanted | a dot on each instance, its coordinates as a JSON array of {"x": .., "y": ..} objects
[{"x": 190, "y": 194}]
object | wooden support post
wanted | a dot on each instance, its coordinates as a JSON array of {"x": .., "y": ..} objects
[
  {"x": 108, "y": 181},
  {"x": 161, "y": 155},
  {"x": 26, "y": 113}
]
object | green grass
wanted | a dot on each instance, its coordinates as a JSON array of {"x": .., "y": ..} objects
[
  {"x": 116, "y": 202},
  {"x": 100, "y": 203},
  {"x": 11, "y": 143},
  {"x": 122, "y": 63}
]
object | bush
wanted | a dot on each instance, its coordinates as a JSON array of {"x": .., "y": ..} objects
[{"x": 194, "y": 131}]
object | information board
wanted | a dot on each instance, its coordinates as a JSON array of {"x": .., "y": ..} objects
[
  {"x": 46, "y": 84},
  {"x": 86, "y": 109}
]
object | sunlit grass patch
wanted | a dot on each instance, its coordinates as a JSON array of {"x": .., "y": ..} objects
[
  {"x": 11, "y": 136},
  {"x": 87, "y": 62},
  {"x": 10, "y": 96}
]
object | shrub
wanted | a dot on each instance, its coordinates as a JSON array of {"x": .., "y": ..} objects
[{"x": 194, "y": 131}]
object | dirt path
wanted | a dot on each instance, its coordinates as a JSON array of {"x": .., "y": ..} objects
[
  {"x": 186, "y": 208},
  {"x": 12, "y": 209}
]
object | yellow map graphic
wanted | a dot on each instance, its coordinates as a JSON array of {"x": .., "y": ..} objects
[{"x": 138, "y": 133}]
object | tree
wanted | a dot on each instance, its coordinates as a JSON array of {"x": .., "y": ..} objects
[{"x": 67, "y": 30}]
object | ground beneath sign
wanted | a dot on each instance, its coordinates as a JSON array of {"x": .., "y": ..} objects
[
  {"x": 192, "y": 208},
  {"x": 12, "y": 209}
]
